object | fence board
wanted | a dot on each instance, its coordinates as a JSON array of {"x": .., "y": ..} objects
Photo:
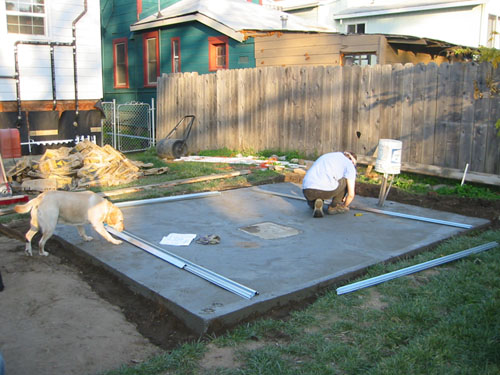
[
  {"x": 313, "y": 139},
  {"x": 211, "y": 109},
  {"x": 386, "y": 103},
  {"x": 417, "y": 134},
  {"x": 479, "y": 147},
  {"x": 327, "y": 120},
  {"x": 494, "y": 152},
  {"x": 286, "y": 97},
  {"x": 397, "y": 94},
  {"x": 481, "y": 115},
  {"x": 297, "y": 121},
  {"x": 347, "y": 106},
  {"x": 337, "y": 95},
  {"x": 257, "y": 129},
  {"x": 455, "y": 115},
  {"x": 354, "y": 107},
  {"x": 465, "y": 151},
  {"x": 361, "y": 125},
  {"x": 444, "y": 115},
  {"x": 374, "y": 110},
  {"x": 246, "y": 110},
  {"x": 430, "y": 95},
  {"x": 406, "y": 111},
  {"x": 493, "y": 141}
]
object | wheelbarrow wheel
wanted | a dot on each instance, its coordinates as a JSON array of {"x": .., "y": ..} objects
[{"x": 171, "y": 148}]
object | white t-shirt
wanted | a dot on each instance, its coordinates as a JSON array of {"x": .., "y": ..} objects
[{"x": 327, "y": 170}]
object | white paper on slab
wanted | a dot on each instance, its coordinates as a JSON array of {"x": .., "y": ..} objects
[{"x": 178, "y": 239}]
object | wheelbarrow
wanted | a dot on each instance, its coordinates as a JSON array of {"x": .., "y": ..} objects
[{"x": 170, "y": 147}]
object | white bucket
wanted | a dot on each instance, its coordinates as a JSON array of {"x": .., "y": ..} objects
[{"x": 389, "y": 156}]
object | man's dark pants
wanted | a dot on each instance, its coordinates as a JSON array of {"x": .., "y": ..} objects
[{"x": 337, "y": 195}]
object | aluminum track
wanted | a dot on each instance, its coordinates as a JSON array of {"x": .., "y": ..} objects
[
  {"x": 214, "y": 278},
  {"x": 376, "y": 211},
  {"x": 413, "y": 269},
  {"x": 167, "y": 199}
]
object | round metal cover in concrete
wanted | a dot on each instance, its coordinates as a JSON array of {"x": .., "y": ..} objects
[{"x": 270, "y": 231}]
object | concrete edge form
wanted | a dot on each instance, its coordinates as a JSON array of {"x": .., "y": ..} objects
[
  {"x": 166, "y": 199},
  {"x": 216, "y": 279},
  {"x": 413, "y": 269},
  {"x": 413, "y": 217},
  {"x": 376, "y": 211}
]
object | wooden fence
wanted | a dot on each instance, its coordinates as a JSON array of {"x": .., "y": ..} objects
[{"x": 445, "y": 115}]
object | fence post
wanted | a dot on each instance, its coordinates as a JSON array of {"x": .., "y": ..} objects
[
  {"x": 114, "y": 123},
  {"x": 152, "y": 143}
]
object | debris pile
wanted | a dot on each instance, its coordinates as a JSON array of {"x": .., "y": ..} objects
[
  {"x": 83, "y": 166},
  {"x": 274, "y": 162}
]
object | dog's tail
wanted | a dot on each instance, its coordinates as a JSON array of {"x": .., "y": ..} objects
[{"x": 23, "y": 208}]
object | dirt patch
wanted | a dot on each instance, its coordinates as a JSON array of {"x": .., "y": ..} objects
[
  {"x": 374, "y": 301},
  {"x": 52, "y": 322},
  {"x": 63, "y": 314},
  {"x": 226, "y": 357},
  {"x": 474, "y": 207}
]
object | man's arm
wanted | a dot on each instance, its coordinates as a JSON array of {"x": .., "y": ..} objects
[{"x": 350, "y": 192}]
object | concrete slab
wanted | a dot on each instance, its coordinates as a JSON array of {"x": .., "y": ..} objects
[{"x": 269, "y": 243}]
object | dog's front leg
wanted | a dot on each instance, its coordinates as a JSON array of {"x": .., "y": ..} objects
[
  {"x": 81, "y": 231},
  {"x": 99, "y": 227}
]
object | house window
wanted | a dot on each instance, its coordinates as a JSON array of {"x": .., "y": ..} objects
[
  {"x": 218, "y": 53},
  {"x": 176, "y": 55},
  {"x": 356, "y": 28},
  {"x": 151, "y": 60},
  {"x": 120, "y": 62},
  {"x": 25, "y": 17},
  {"x": 361, "y": 59},
  {"x": 493, "y": 36}
]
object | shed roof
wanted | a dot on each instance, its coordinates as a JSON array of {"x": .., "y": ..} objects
[{"x": 230, "y": 17}]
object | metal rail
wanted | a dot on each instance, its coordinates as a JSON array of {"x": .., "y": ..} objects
[
  {"x": 214, "y": 278},
  {"x": 413, "y": 269},
  {"x": 413, "y": 217},
  {"x": 167, "y": 199},
  {"x": 377, "y": 211}
]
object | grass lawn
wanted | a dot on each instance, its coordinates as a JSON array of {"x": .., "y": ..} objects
[{"x": 441, "y": 321}]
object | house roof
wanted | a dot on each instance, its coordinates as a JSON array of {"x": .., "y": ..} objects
[
  {"x": 230, "y": 17},
  {"x": 405, "y": 7},
  {"x": 288, "y": 5}
]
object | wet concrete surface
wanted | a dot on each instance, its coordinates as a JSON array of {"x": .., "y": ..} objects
[{"x": 268, "y": 243}]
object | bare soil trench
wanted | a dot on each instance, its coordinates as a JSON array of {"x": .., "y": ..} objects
[{"x": 62, "y": 314}]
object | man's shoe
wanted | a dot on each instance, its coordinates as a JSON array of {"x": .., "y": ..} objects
[
  {"x": 318, "y": 208},
  {"x": 338, "y": 209}
]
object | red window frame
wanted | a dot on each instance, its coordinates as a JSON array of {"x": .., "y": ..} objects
[
  {"x": 172, "y": 49},
  {"x": 145, "y": 38},
  {"x": 117, "y": 41},
  {"x": 213, "y": 43}
]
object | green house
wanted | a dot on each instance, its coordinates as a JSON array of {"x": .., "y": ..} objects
[{"x": 142, "y": 39}]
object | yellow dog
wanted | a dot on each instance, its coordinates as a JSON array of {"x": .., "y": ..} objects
[{"x": 74, "y": 208}]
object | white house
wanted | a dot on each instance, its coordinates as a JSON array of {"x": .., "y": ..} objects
[
  {"x": 48, "y": 47},
  {"x": 470, "y": 23}
]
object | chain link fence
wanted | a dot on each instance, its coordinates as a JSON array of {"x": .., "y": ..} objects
[{"x": 128, "y": 127}]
